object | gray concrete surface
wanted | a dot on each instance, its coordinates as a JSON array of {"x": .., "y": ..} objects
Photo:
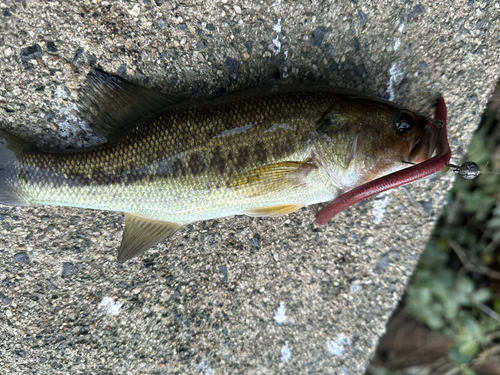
[{"x": 239, "y": 295}]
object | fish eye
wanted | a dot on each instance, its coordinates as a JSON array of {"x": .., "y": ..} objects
[{"x": 404, "y": 122}]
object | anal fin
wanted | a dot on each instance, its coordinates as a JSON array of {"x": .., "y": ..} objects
[
  {"x": 272, "y": 177},
  {"x": 141, "y": 234},
  {"x": 274, "y": 210}
]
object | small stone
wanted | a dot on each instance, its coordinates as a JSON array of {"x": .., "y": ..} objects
[
  {"x": 6, "y": 301},
  {"x": 317, "y": 37},
  {"x": 78, "y": 53},
  {"x": 8, "y": 313},
  {"x": 237, "y": 9},
  {"x": 155, "y": 44},
  {"x": 67, "y": 268},
  {"x": 7, "y": 52},
  {"x": 246, "y": 55},
  {"x": 22, "y": 258},
  {"x": 423, "y": 65},
  {"x": 427, "y": 206},
  {"x": 363, "y": 17},
  {"x": 255, "y": 241},
  {"x": 162, "y": 23},
  {"x": 122, "y": 70},
  {"x": 91, "y": 58},
  {"x": 31, "y": 53},
  {"x": 202, "y": 44},
  {"x": 50, "y": 285},
  {"x": 334, "y": 67},
  {"x": 232, "y": 65},
  {"x": 223, "y": 270},
  {"x": 49, "y": 116},
  {"x": 51, "y": 47},
  {"x": 382, "y": 264}
]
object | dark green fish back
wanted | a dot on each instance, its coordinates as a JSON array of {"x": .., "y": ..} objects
[{"x": 173, "y": 143}]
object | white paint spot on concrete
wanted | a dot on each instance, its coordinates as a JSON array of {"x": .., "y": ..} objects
[
  {"x": 396, "y": 76},
  {"x": 205, "y": 369},
  {"x": 401, "y": 27},
  {"x": 65, "y": 126},
  {"x": 286, "y": 353},
  {"x": 61, "y": 93},
  {"x": 276, "y": 46},
  {"x": 380, "y": 207},
  {"x": 111, "y": 306},
  {"x": 134, "y": 12},
  {"x": 356, "y": 287},
  {"x": 277, "y": 27},
  {"x": 337, "y": 347},
  {"x": 397, "y": 45},
  {"x": 280, "y": 314},
  {"x": 67, "y": 112},
  {"x": 276, "y": 257}
]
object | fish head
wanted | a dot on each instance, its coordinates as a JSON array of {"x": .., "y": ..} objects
[
  {"x": 369, "y": 139},
  {"x": 412, "y": 138},
  {"x": 433, "y": 141}
]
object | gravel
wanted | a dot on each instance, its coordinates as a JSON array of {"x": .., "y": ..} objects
[{"x": 206, "y": 301}]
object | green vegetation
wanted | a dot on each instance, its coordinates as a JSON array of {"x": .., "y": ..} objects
[{"x": 455, "y": 289}]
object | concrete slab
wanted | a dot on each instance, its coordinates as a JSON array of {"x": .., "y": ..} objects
[{"x": 239, "y": 295}]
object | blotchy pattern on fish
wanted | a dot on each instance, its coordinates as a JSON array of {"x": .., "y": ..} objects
[{"x": 260, "y": 152}]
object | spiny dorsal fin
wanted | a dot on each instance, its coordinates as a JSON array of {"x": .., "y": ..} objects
[
  {"x": 111, "y": 104},
  {"x": 140, "y": 234},
  {"x": 272, "y": 177}
]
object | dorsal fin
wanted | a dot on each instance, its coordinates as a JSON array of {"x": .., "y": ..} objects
[{"x": 111, "y": 104}]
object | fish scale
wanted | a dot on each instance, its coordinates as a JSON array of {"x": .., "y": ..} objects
[{"x": 261, "y": 152}]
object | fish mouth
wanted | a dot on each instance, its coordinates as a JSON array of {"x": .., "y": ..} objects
[{"x": 427, "y": 145}]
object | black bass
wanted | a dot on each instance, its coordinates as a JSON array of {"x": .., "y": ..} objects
[{"x": 258, "y": 152}]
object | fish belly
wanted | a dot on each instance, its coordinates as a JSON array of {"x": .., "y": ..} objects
[{"x": 171, "y": 200}]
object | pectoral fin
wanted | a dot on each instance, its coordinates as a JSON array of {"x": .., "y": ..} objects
[
  {"x": 272, "y": 178},
  {"x": 274, "y": 210},
  {"x": 140, "y": 234}
]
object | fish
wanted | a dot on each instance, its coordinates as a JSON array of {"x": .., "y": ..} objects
[{"x": 263, "y": 152}]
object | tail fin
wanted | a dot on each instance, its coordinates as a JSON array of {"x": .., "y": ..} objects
[{"x": 11, "y": 148}]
